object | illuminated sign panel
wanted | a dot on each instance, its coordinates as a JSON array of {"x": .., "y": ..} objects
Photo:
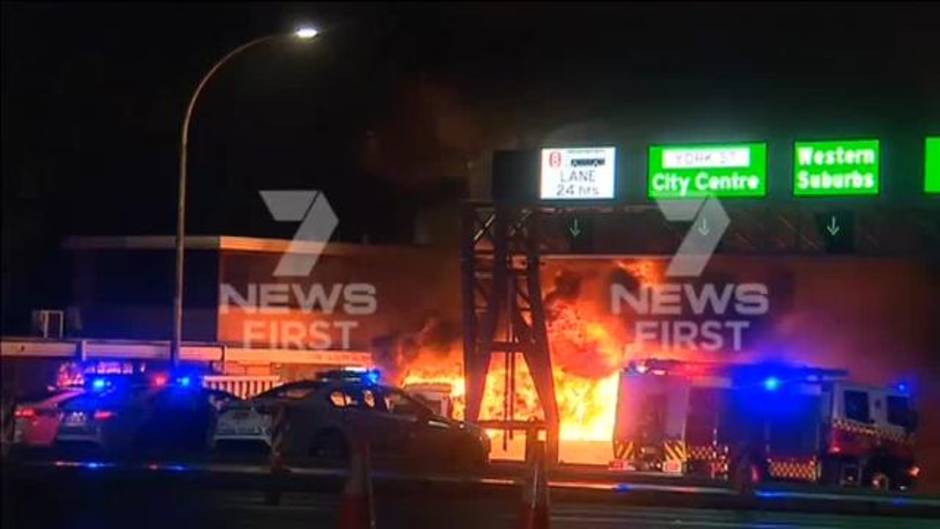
[
  {"x": 583, "y": 173},
  {"x": 932, "y": 165},
  {"x": 836, "y": 168},
  {"x": 688, "y": 171}
]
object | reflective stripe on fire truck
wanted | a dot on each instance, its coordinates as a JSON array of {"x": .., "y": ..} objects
[
  {"x": 802, "y": 469},
  {"x": 675, "y": 451},
  {"x": 714, "y": 456},
  {"x": 701, "y": 452},
  {"x": 624, "y": 450},
  {"x": 872, "y": 431}
]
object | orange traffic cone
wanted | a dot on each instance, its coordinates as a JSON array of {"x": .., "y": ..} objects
[
  {"x": 534, "y": 512},
  {"x": 355, "y": 508}
]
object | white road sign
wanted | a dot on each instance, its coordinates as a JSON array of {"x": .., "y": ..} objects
[{"x": 581, "y": 173}]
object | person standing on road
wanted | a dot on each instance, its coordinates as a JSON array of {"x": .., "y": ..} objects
[{"x": 7, "y": 420}]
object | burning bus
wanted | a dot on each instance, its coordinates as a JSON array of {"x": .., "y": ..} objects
[{"x": 749, "y": 423}]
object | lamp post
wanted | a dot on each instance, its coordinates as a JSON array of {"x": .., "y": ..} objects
[{"x": 303, "y": 33}]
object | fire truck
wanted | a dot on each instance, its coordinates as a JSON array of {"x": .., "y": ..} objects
[{"x": 751, "y": 423}]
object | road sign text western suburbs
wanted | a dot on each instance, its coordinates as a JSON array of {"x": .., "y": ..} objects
[{"x": 836, "y": 168}]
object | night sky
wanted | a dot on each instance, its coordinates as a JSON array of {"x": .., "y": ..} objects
[{"x": 393, "y": 110}]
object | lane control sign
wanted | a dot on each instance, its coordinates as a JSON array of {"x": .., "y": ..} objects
[
  {"x": 582, "y": 173},
  {"x": 694, "y": 171}
]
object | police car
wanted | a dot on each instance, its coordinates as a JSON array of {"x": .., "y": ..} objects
[
  {"x": 344, "y": 407},
  {"x": 123, "y": 416},
  {"x": 247, "y": 423}
]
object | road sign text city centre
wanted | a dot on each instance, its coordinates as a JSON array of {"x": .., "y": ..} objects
[{"x": 689, "y": 171}]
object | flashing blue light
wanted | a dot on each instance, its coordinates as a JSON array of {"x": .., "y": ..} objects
[
  {"x": 98, "y": 384},
  {"x": 184, "y": 381},
  {"x": 373, "y": 376},
  {"x": 770, "y": 494},
  {"x": 902, "y": 387},
  {"x": 771, "y": 383}
]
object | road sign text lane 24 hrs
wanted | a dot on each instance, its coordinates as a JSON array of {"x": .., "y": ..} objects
[{"x": 580, "y": 173}]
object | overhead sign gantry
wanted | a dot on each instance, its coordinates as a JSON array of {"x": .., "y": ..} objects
[{"x": 503, "y": 241}]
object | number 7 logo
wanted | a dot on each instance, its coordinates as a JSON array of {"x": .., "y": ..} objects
[
  {"x": 317, "y": 223},
  {"x": 709, "y": 222}
]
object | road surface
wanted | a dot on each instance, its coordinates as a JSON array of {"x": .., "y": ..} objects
[{"x": 173, "y": 496}]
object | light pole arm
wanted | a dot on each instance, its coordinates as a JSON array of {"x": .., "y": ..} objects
[
  {"x": 177, "y": 338},
  {"x": 202, "y": 83}
]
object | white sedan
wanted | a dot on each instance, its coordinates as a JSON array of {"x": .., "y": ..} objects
[{"x": 248, "y": 422}]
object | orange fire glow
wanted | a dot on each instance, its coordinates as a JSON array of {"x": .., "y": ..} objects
[{"x": 588, "y": 348}]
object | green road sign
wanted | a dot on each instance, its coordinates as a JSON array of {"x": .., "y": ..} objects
[
  {"x": 932, "y": 165},
  {"x": 722, "y": 170},
  {"x": 836, "y": 168}
]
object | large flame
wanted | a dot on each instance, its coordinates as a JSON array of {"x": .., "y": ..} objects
[
  {"x": 586, "y": 357},
  {"x": 588, "y": 348}
]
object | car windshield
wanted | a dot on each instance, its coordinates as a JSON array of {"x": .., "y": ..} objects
[
  {"x": 114, "y": 397},
  {"x": 294, "y": 391},
  {"x": 397, "y": 402},
  {"x": 856, "y": 406},
  {"x": 82, "y": 402},
  {"x": 899, "y": 411},
  {"x": 39, "y": 396}
]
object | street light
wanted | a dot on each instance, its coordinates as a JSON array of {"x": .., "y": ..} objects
[{"x": 303, "y": 33}]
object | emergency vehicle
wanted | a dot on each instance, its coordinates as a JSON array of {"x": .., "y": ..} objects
[{"x": 750, "y": 423}]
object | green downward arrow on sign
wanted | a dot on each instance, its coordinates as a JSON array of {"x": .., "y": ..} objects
[
  {"x": 575, "y": 229},
  {"x": 837, "y": 231}
]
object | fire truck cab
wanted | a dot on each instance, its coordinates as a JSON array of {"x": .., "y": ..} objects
[{"x": 748, "y": 423}]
